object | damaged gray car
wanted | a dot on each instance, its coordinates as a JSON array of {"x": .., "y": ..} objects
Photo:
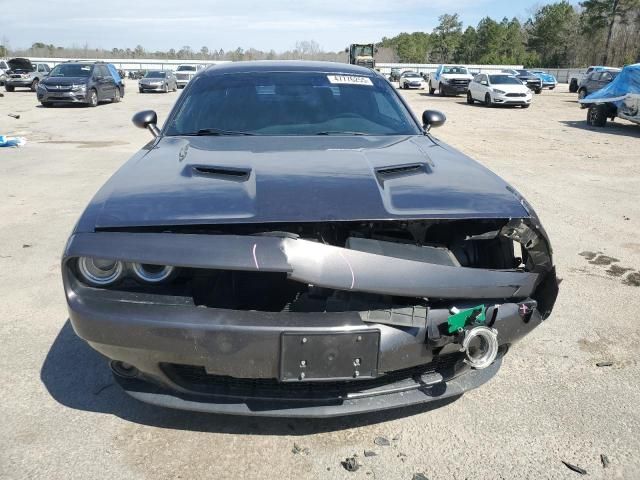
[{"x": 294, "y": 242}]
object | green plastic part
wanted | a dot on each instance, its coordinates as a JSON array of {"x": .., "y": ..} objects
[{"x": 465, "y": 317}]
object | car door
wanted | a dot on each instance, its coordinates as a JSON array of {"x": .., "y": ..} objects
[
  {"x": 483, "y": 87},
  {"x": 604, "y": 80},
  {"x": 106, "y": 83}
]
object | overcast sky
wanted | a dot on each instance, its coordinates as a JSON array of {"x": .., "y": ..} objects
[{"x": 265, "y": 25}]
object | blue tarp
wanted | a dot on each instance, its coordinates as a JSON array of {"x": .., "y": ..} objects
[
  {"x": 626, "y": 83},
  {"x": 114, "y": 73},
  {"x": 623, "y": 92}
]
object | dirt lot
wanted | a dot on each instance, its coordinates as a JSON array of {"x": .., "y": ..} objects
[{"x": 62, "y": 417}]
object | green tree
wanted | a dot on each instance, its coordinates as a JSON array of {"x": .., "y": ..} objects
[
  {"x": 601, "y": 15},
  {"x": 468, "y": 47},
  {"x": 446, "y": 37},
  {"x": 553, "y": 33}
]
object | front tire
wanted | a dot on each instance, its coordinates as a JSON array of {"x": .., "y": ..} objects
[
  {"x": 93, "y": 98},
  {"x": 34, "y": 85},
  {"x": 581, "y": 94},
  {"x": 431, "y": 90},
  {"x": 9, "y": 88},
  {"x": 47, "y": 104},
  {"x": 470, "y": 99},
  {"x": 538, "y": 91},
  {"x": 597, "y": 116},
  {"x": 165, "y": 88},
  {"x": 573, "y": 85},
  {"x": 441, "y": 90},
  {"x": 116, "y": 96},
  {"x": 487, "y": 100}
]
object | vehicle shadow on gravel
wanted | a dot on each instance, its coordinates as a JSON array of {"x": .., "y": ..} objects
[
  {"x": 613, "y": 128},
  {"x": 78, "y": 377}
]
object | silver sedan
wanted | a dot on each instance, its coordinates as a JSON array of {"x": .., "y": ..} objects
[{"x": 158, "y": 81}]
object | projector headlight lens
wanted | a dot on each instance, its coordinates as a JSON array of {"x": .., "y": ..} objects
[
  {"x": 152, "y": 273},
  {"x": 100, "y": 272}
]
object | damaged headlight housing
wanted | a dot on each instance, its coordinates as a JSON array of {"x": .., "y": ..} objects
[{"x": 100, "y": 272}]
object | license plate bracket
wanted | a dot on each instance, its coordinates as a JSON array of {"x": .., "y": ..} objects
[{"x": 329, "y": 356}]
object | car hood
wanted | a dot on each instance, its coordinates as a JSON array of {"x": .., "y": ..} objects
[
  {"x": 208, "y": 180},
  {"x": 511, "y": 88},
  {"x": 456, "y": 76},
  {"x": 20, "y": 65},
  {"x": 547, "y": 77},
  {"x": 64, "y": 81}
]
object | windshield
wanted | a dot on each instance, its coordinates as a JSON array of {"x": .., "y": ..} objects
[
  {"x": 285, "y": 103},
  {"x": 155, "y": 75},
  {"x": 504, "y": 80},
  {"x": 363, "y": 50},
  {"x": 71, "y": 70},
  {"x": 458, "y": 70},
  {"x": 186, "y": 68}
]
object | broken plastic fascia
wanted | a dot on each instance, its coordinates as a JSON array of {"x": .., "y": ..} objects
[{"x": 307, "y": 262}]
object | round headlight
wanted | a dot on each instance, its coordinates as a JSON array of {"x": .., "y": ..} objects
[
  {"x": 100, "y": 272},
  {"x": 152, "y": 273}
]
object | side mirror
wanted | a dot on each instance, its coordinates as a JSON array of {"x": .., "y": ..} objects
[
  {"x": 147, "y": 119},
  {"x": 431, "y": 119},
  {"x": 484, "y": 82}
]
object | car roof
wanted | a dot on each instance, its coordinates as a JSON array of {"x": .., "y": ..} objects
[{"x": 286, "y": 66}]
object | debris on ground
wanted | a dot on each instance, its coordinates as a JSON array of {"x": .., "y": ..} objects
[
  {"x": 26, "y": 245},
  {"x": 604, "y": 460},
  {"x": 402, "y": 456},
  {"x": 351, "y": 464},
  {"x": 370, "y": 453},
  {"x": 419, "y": 476},
  {"x": 382, "y": 442},
  {"x": 633, "y": 279},
  {"x": 298, "y": 450},
  {"x": 575, "y": 468},
  {"x": 14, "y": 115},
  {"x": 12, "y": 141},
  {"x": 604, "y": 364}
]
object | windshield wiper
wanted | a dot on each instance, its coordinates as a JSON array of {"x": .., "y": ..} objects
[
  {"x": 340, "y": 132},
  {"x": 215, "y": 131}
]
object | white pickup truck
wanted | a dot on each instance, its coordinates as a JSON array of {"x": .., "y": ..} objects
[{"x": 447, "y": 79}]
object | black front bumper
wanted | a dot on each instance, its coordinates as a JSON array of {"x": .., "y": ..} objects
[
  {"x": 162, "y": 340},
  {"x": 455, "y": 88},
  {"x": 237, "y": 355}
]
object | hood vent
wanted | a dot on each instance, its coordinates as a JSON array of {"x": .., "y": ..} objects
[
  {"x": 396, "y": 171},
  {"x": 224, "y": 173}
]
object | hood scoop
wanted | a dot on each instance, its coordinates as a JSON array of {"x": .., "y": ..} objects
[
  {"x": 235, "y": 174},
  {"x": 397, "y": 171}
]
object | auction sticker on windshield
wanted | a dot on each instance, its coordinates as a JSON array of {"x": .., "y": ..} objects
[{"x": 349, "y": 80}]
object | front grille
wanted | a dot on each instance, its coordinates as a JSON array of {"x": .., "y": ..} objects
[
  {"x": 459, "y": 81},
  {"x": 196, "y": 379},
  {"x": 516, "y": 95},
  {"x": 182, "y": 76}
]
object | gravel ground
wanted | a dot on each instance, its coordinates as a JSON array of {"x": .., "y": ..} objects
[{"x": 62, "y": 417}]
